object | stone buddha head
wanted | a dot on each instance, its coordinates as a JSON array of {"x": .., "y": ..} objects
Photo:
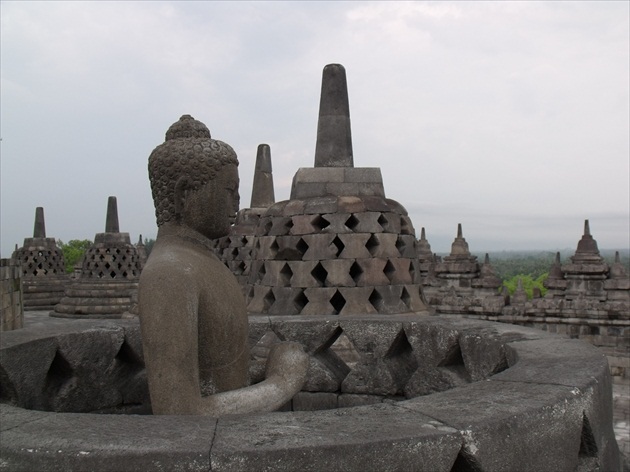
[{"x": 194, "y": 180}]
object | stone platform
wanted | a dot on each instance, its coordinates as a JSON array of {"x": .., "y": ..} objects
[{"x": 530, "y": 398}]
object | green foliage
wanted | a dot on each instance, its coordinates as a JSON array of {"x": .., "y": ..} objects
[
  {"x": 511, "y": 264},
  {"x": 73, "y": 251},
  {"x": 148, "y": 245},
  {"x": 528, "y": 283}
]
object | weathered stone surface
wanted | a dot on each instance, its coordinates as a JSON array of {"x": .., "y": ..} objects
[
  {"x": 497, "y": 417},
  {"x": 352, "y": 439},
  {"x": 120, "y": 442},
  {"x": 370, "y": 378},
  {"x": 561, "y": 421},
  {"x": 262, "y": 189},
  {"x": 313, "y": 401},
  {"x": 334, "y": 139}
]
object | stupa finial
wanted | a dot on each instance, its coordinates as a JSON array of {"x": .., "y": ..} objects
[
  {"x": 587, "y": 228},
  {"x": 39, "y": 230},
  {"x": 262, "y": 191},
  {"x": 460, "y": 233},
  {"x": 334, "y": 139},
  {"x": 111, "y": 222}
]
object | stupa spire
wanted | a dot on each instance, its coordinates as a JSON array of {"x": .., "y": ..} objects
[
  {"x": 262, "y": 191},
  {"x": 459, "y": 248},
  {"x": 39, "y": 230},
  {"x": 111, "y": 222},
  {"x": 587, "y": 246},
  {"x": 334, "y": 139}
]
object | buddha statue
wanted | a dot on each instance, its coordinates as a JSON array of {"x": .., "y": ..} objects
[{"x": 193, "y": 318}]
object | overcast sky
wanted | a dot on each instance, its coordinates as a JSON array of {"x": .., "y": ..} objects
[{"x": 511, "y": 118}]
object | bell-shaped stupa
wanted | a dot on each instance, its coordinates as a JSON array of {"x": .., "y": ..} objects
[
  {"x": 338, "y": 246},
  {"x": 43, "y": 270},
  {"x": 108, "y": 284}
]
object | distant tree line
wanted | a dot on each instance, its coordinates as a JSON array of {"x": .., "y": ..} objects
[{"x": 532, "y": 267}]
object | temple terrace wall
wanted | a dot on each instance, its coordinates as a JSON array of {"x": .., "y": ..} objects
[{"x": 12, "y": 313}]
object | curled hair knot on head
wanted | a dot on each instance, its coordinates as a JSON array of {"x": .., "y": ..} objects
[{"x": 190, "y": 153}]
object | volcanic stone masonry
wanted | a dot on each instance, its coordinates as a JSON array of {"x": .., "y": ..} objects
[
  {"x": 586, "y": 298},
  {"x": 235, "y": 250},
  {"x": 108, "y": 284},
  {"x": 458, "y": 283},
  {"x": 338, "y": 246},
  {"x": 44, "y": 276},
  {"x": 11, "y": 307}
]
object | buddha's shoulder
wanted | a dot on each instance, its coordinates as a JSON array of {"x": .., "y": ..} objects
[{"x": 178, "y": 259}]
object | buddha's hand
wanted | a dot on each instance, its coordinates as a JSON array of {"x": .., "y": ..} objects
[{"x": 288, "y": 361}]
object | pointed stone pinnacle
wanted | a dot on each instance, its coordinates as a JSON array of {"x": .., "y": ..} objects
[
  {"x": 587, "y": 245},
  {"x": 423, "y": 236},
  {"x": 111, "y": 222},
  {"x": 487, "y": 259},
  {"x": 617, "y": 258},
  {"x": 140, "y": 243},
  {"x": 262, "y": 191},
  {"x": 334, "y": 138},
  {"x": 558, "y": 257},
  {"x": 459, "y": 248},
  {"x": 39, "y": 230}
]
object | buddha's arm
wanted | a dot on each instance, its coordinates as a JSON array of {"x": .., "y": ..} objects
[
  {"x": 168, "y": 318},
  {"x": 169, "y": 322},
  {"x": 285, "y": 374}
]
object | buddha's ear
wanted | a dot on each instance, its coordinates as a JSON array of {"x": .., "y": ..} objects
[{"x": 181, "y": 187}]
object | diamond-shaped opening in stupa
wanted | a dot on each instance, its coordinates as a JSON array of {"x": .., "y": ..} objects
[
  {"x": 588, "y": 445},
  {"x": 401, "y": 246},
  {"x": 319, "y": 273},
  {"x": 376, "y": 300},
  {"x": 345, "y": 350},
  {"x": 300, "y": 301},
  {"x": 405, "y": 297},
  {"x": 405, "y": 227},
  {"x": 240, "y": 268},
  {"x": 329, "y": 356},
  {"x": 352, "y": 222},
  {"x": 338, "y": 245},
  {"x": 285, "y": 274},
  {"x": 401, "y": 361},
  {"x": 372, "y": 244},
  {"x": 59, "y": 373},
  {"x": 269, "y": 299},
  {"x": 128, "y": 361},
  {"x": 355, "y": 271},
  {"x": 338, "y": 302},
  {"x": 302, "y": 246},
  {"x": 453, "y": 362},
  {"x": 389, "y": 270},
  {"x": 382, "y": 220},
  {"x": 267, "y": 226},
  {"x": 320, "y": 223}
]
